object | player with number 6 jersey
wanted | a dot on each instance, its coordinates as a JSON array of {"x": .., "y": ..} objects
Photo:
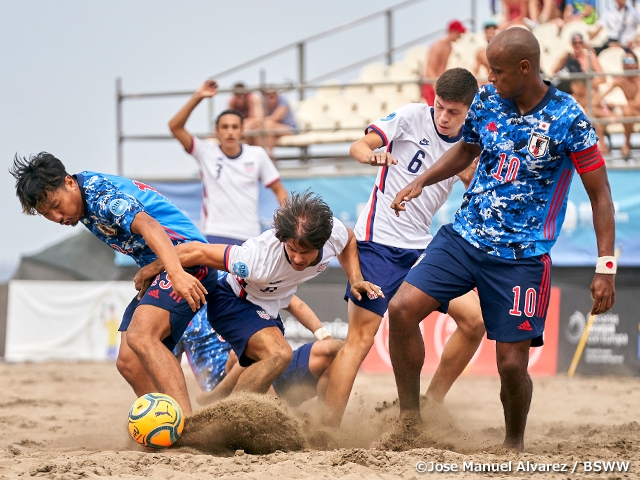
[{"x": 414, "y": 137}]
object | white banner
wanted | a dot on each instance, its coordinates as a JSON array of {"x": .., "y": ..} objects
[{"x": 65, "y": 320}]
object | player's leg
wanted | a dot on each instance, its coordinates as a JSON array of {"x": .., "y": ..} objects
[
  {"x": 516, "y": 389},
  {"x": 322, "y": 355},
  {"x": 132, "y": 369},
  {"x": 271, "y": 355},
  {"x": 407, "y": 309},
  {"x": 460, "y": 347},
  {"x": 149, "y": 326},
  {"x": 225, "y": 387},
  {"x": 440, "y": 276}
]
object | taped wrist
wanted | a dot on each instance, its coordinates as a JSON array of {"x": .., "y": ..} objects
[
  {"x": 607, "y": 265},
  {"x": 321, "y": 333}
]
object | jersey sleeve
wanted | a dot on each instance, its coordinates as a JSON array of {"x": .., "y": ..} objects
[
  {"x": 198, "y": 147},
  {"x": 118, "y": 208},
  {"x": 470, "y": 133},
  {"x": 245, "y": 260},
  {"x": 392, "y": 126},
  {"x": 268, "y": 172},
  {"x": 582, "y": 145},
  {"x": 339, "y": 236}
]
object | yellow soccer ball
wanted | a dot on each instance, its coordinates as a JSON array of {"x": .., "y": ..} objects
[{"x": 155, "y": 420}]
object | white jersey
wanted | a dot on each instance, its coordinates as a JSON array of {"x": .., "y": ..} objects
[
  {"x": 411, "y": 137},
  {"x": 231, "y": 188},
  {"x": 271, "y": 280}
]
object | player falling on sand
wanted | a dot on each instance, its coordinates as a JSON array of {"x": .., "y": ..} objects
[
  {"x": 266, "y": 273},
  {"x": 415, "y": 136},
  {"x": 530, "y": 138},
  {"x": 136, "y": 220},
  {"x": 217, "y": 370}
]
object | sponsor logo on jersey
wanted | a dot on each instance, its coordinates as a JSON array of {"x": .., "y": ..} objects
[
  {"x": 525, "y": 326},
  {"x": 249, "y": 167},
  {"x": 492, "y": 127},
  {"x": 391, "y": 116},
  {"x": 118, "y": 206},
  {"x": 240, "y": 269},
  {"x": 264, "y": 315},
  {"x": 106, "y": 229},
  {"x": 424, "y": 142},
  {"x": 322, "y": 267},
  {"x": 154, "y": 293},
  {"x": 538, "y": 145}
]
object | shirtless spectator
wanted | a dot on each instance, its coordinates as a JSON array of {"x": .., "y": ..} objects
[
  {"x": 278, "y": 121},
  {"x": 438, "y": 58},
  {"x": 630, "y": 86},
  {"x": 246, "y": 102},
  {"x": 586, "y": 58},
  {"x": 490, "y": 30}
]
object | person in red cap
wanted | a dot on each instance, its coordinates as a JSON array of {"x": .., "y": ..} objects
[{"x": 437, "y": 58}]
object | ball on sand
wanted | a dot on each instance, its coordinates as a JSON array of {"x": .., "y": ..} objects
[{"x": 155, "y": 420}]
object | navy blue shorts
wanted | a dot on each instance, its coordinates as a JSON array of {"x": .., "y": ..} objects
[
  {"x": 160, "y": 294},
  {"x": 237, "y": 319},
  {"x": 223, "y": 240},
  {"x": 386, "y": 267},
  {"x": 297, "y": 375},
  {"x": 514, "y": 294}
]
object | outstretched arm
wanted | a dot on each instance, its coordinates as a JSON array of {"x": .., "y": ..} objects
[
  {"x": 454, "y": 161},
  {"x": 596, "y": 184},
  {"x": 307, "y": 317},
  {"x": 363, "y": 151},
  {"x": 350, "y": 263},
  {"x": 185, "y": 285},
  {"x": 177, "y": 123}
]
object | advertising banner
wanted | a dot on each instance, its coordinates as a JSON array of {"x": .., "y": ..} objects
[{"x": 65, "y": 320}]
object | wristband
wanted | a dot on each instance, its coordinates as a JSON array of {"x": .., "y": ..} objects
[
  {"x": 321, "y": 333},
  {"x": 607, "y": 265}
]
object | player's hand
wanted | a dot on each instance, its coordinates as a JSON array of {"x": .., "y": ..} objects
[
  {"x": 142, "y": 281},
  {"x": 189, "y": 287},
  {"x": 603, "y": 291},
  {"x": 413, "y": 190},
  {"x": 372, "y": 290},
  {"x": 381, "y": 159},
  {"x": 207, "y": 89}
]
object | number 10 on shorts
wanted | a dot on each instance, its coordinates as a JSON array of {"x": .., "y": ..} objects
[{"x": 529, "y": 302}]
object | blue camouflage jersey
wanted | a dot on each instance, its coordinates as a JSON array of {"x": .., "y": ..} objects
[
  {"x": 515, "y": 205},
  {"x": 110, "y": 205},
  {"x": 206, "y": 351}
]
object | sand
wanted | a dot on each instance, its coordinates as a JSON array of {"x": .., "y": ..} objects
[{"x": 68, "y": 421}]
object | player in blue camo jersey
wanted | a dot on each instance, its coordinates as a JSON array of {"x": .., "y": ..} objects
[
  {"x": 216, "y": 368},
  {"x": 134, "y": 219},
  {"x": 530, "y": 138}
]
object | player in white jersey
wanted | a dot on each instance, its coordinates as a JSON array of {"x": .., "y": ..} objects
[
  {"x": 231, "y": 173},
  {"x": 415, "y": 136},
  {"x": 264, "y": 274}
]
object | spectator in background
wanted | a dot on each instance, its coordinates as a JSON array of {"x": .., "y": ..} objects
[
  {"x": 246, "y": 102},
  {"x": 438, "y": 57},
  {"x": 630, "y": 86},
  {"x": 490, "y": 30},
  {"x": 580, "y": 10},
  {"x": 585, "y": 56},
  {"x": 231, "y": 173},
  {"x": 278, "y": 121},
  {"x": 621, "y": 21}
]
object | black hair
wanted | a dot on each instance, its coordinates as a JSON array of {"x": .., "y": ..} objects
[
  {"x": 36, "y": 177},
  {"x": 457, "y": 85},
  {"x": 230, "y": 111},
  {"x": 306, "y": 218}
]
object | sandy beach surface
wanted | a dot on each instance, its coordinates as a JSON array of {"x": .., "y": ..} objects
[{"x": 68, "y": 421}]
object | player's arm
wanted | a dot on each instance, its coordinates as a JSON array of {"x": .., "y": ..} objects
[
  {"x": 307, "y": 317},
  {"x": 177, "y": 123},
  {"x": 466, "y": 176},
  {"x": 363, "y": 151},
  {"x": 279, "y": 191},
  {"x": 185, "y": 285},
  {"x": 350, "y": 263},
  {"x": 596, "y": 184},
  {"x": 454, "y": 160},
  {"x": 189, "y": 255}
]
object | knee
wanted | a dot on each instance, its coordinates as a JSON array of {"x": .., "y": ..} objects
[
  {"x": 360, "y": 340},
  {"x": 281, "y": 355},
  {"x": 124, "y": 364},
  {"x": 472, "y": 327},
  {"x": 511, "y": 368}
]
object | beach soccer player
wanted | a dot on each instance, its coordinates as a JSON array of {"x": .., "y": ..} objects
[
  {"x": 530, "y": 138},
  {"x": 134, "y": 219},
  {"x": 415, "y": 136}
]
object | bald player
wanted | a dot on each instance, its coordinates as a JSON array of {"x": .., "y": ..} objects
[{"x": 530, "y": 138}]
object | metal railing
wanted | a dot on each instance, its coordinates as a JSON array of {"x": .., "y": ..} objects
[{"x": 302, "y": 84}]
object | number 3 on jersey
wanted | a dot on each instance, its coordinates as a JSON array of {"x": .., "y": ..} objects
[{"x": 416, "y": 161}]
